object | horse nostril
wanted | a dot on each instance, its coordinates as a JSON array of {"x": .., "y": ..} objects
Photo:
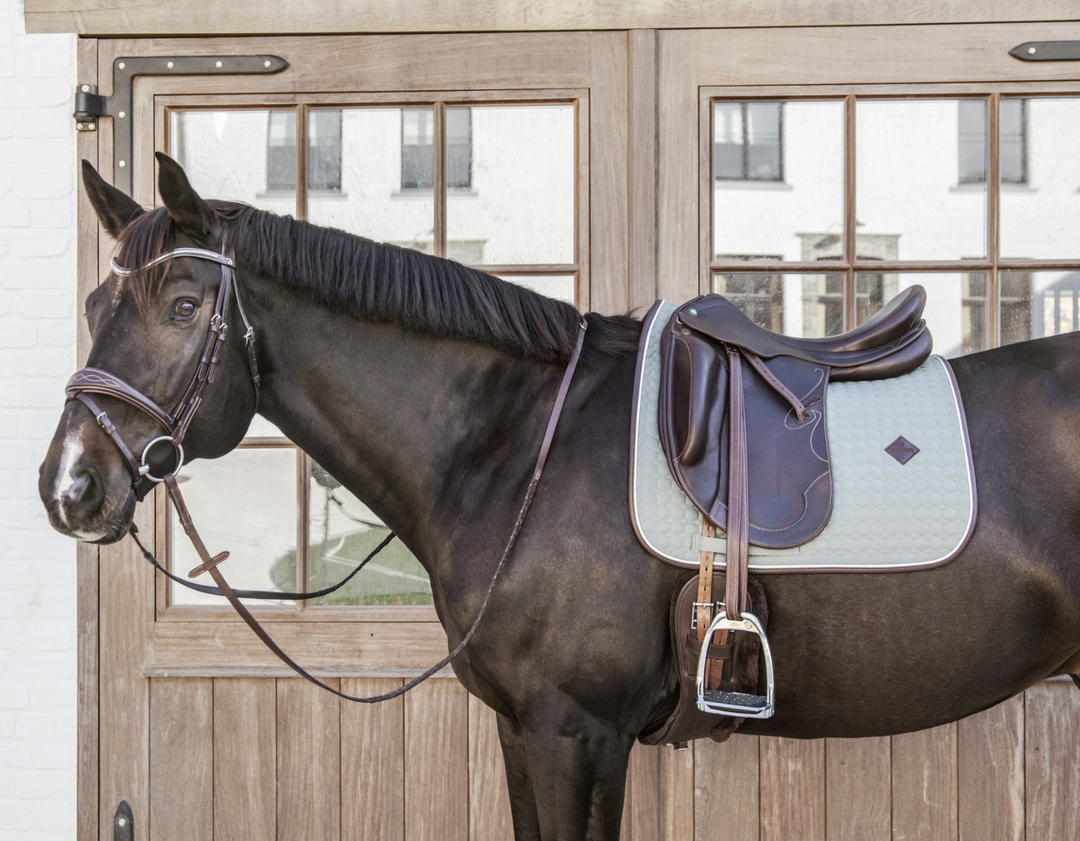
[{"x": 83, "y": 491}]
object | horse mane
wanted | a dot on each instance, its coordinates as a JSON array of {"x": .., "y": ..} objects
[{"x": 383, "y": 283}]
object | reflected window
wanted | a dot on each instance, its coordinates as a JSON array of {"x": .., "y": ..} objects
[
  {"x": 323, "y": 151},
  {"x": 760, "y": 295},
  {"x": 418, "y": 148},
  {"x": 1015, "y": 307},
  {"x": 748, "y": 141},
  {"x": 974, "y": 306},
  {"x": 973, "y": 161}
]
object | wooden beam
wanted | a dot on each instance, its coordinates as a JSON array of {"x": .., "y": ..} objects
[{"x": 232, "y": 17}]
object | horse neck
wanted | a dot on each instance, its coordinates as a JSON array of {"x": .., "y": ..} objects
[{"x": 415, "y": 426}]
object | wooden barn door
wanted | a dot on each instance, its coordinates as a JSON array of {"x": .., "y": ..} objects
[
  {"x": 810, "y": 174},
  {"x": 508, "y": 152}
]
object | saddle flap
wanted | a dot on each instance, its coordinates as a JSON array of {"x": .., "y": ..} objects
[{"x": 790, "y": 484}]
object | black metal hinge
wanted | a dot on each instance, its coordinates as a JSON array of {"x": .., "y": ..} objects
[
  {"x": 123, "y": 825},
  {"x": 89, "y": 105},
  {"x": 1047, "y": 51}
]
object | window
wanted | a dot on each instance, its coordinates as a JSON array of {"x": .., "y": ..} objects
[
  {"x": 748, "y": 141},
  {"x": 972, "y": 133},
  {"x": 323, "y": 151},
  {"x": 418, "y": 144}
]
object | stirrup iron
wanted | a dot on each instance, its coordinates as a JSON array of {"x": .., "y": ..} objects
[{"x": 737, "y": 704}]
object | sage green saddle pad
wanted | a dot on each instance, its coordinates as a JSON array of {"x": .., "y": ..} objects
[{"x": 886, "y": 515}]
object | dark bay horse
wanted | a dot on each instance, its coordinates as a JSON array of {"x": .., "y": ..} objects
[{"x": 425, "y": 387}]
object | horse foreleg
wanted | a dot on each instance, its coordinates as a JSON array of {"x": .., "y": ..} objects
[
  {"x": 577, "y": 766},
  {"x": 522, "y": 800}
]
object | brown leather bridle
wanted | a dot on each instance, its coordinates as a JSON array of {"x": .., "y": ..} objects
[
  {"x": 176, "y": 424},
  {"x": 95, "y": 381}
]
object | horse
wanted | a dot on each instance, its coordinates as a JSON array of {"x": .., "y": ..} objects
[{"x": 424, "y": 387}]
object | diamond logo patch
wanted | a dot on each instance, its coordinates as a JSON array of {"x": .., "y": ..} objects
[{"x": 902, "y": 450}]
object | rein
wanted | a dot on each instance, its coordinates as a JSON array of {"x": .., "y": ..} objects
[{"x": 176, "y": 423}]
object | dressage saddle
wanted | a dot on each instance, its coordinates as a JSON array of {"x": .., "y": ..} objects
[{"x": 742, "y": 424}]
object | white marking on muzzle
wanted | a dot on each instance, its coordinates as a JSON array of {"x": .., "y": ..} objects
[{"x": 65, "y": 476}]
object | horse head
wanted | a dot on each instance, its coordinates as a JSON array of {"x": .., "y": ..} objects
[{"x": 162, "y": 348}]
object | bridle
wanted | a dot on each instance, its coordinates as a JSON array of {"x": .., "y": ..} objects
[{"x": 176, "y": 423}]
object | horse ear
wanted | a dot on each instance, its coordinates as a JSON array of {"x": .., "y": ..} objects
[
  {"x": 114, "y": 207},
  {"x": 190, "y": 212}
]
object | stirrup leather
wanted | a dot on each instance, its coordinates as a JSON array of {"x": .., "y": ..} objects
[{"x": 737, "y": 704}]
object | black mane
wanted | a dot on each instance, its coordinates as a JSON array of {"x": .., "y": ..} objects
[{"x": 384, "y": 283}]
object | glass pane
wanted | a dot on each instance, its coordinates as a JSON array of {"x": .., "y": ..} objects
[
  {"x": 1040, "y": 178},
  {"x": 382, "y": 163},
  {"x": 914, "y": 196},
  {"x": 559, "y": 287},
  {"x": 807, "y": 305},
  {"x": 1038, "y": 304},
  {"x": 247, "y": 156},
  {"x": 343, "y": 532},
  {"x": 245, "y": 503},
  {"x": 512, "y": 183},
  {"x": 956, "y": 306},
  {"x": 324, "y": 151},
  {"x": 778, "y": 180}
]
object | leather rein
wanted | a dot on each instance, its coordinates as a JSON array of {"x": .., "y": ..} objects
[{"x": 176, "y": 423}]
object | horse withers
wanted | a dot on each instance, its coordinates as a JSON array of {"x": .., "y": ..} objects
[{"x": 424, "y": 387}]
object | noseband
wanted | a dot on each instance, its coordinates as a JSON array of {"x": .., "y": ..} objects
[{"x": 95, "y": 381}]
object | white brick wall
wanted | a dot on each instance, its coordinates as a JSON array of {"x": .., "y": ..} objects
[{"x": 37, "y": 354}]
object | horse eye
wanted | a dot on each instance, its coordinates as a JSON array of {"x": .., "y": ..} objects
[{"x": 184, "y": 309}]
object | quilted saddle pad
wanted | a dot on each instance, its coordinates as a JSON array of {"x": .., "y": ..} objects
[{"x": 903, "y": 479}]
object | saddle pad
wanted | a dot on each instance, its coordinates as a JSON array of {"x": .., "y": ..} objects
[{"x": 887, "y": 516}]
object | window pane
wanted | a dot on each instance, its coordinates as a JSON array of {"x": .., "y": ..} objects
[
  {"x": 559, "y": 287},
  {"x": 459, "y": 148},
  {"x": 906, "y": 180},
  {"x": 807, "y": 305},
  {"x": 324, "y": 150},
  {"x": 971, "y": 137},
  {"x": 379, "y": 148},
  {"x": 756, "y": 214},
  {"x": 1040, "y": 216},
  {"x": 247, "y": 156},
  {"x": 257, "y": 524},
  {"x": 956, "y": 306},
  {"x": 343, "y": 532},
  {"x": 1038, "y": 304},
  {"x": 520, "y": 206}
]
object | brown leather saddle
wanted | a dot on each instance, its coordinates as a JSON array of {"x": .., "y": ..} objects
[{"x": 742, "y": 423}]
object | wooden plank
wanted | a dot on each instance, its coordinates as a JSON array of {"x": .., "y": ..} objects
[
  {"x": 372, "y": 763},
  {"x": 489, "y": 798},
  {"x": 86, "y": 555},
  {"x": 609, "y": 199},
  {"x": 676, "y": 794},
  {"x": 181, "y": 759},
  {"x": 792, "y": 789},
  {"x": 858, "y": 799},
  {"x": 991, "y": 773},
  {"x": 641, "y": 813},
  {"x": 1052, "y": 759},
  {"x": 378, "y": 63},
  {"x": 308, "y": 762},
  {"x": 436, "y": 762},
  {"x": 643, "y": 165},
  {"x": 924, "y": 792},
  {"x": 877, "y": 55},
  {"x": 231, "y": 645},
  {"x": 130, "y": 17},
  {"x": 727, "y": 795},
  {"x": 245, "y": 759},
  {"x": 677, "y": 188}
]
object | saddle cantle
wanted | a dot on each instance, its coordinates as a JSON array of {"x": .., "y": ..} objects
[{"x": 783, "y": 400}]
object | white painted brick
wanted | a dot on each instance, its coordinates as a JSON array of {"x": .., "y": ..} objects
[
  {"x": 16, "y": 332},
  {"x": 40, "y": 423},
  {"x": 36, "y": 756},
  {"x": 44, "y": 362},
  {"x": 56, "y": 273},
  {"x": 8, "y": 367},
  {"x": 7, "y": 126},
  {"x": 7, "y": 724},
  {"x": 7, "y": 62},
  {"x": 36, "y": 182},
  {"x": 15, "y": 454},
  {"x": 10, "y": 423},
  {"x": 21, "y": 151},
  {"x": 44, "y": 303},
  {"x": 53, "y": 213},
  {"x": 32, "y": 725},
  {"x": 40, "y": 665},
  {"x": 37, "y": 123},
  {"x": 54, "y": 694},
  {"x": 14, "y": 215},
  {"x": 35, "y": 243},
  {"x": 41, "y": 64},
  {"x": 13, "y": 696},
  {"x": 7, "y": 180},
  {"x": 45, "y": 93},
  {"x": 48, "y": 636},
  {"x": 9, "y": 484}
]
